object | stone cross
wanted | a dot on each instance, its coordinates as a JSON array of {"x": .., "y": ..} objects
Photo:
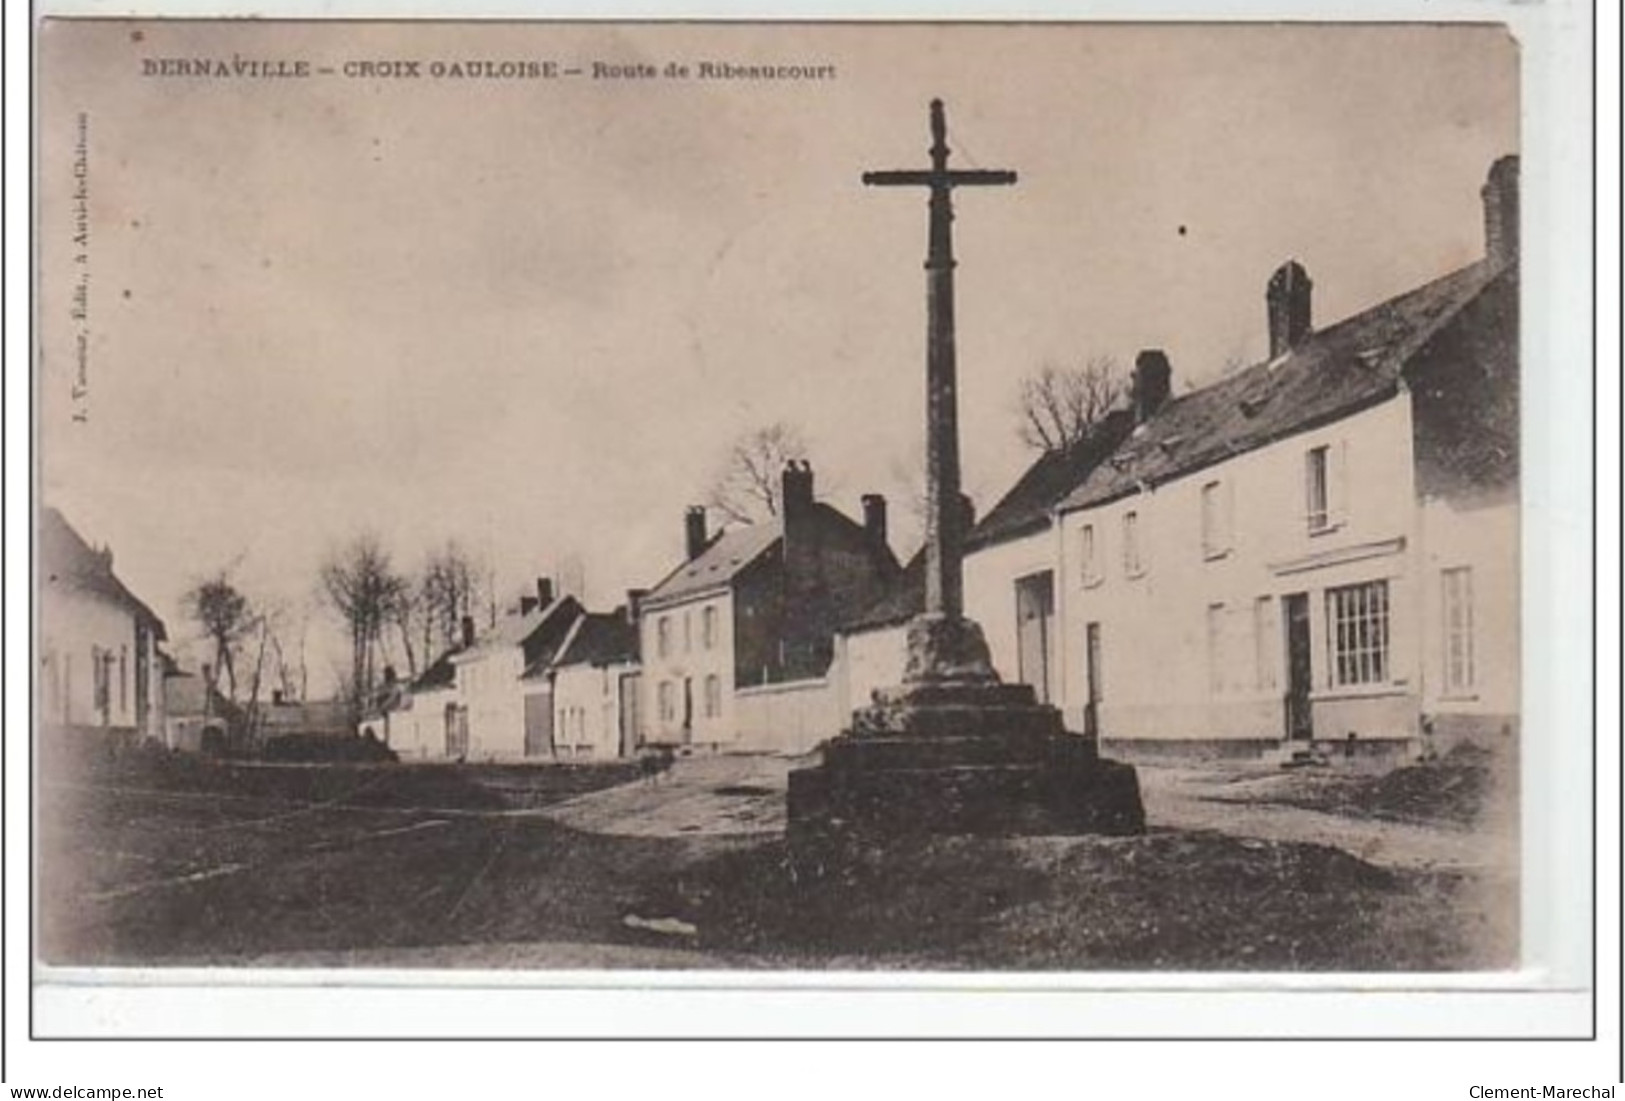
[{"x": 944, "y": 531}]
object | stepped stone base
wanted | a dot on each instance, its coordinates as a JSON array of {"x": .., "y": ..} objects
[{"x": 965, "y": 755}]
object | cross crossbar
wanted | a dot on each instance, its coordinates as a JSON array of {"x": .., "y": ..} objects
[{"x": 925, "y": 177}]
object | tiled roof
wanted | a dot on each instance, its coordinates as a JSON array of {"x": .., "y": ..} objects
[
  {"x": 599, "y": 639},
  {"x": 729, "y": 553},
  {"x": 904, "y": 600},
  {"x": 441, "y": 674},
  {"x": 1026, "y": 508},
  {"x": 513, "y": 629},
  {"x": 1337, "y": 371},
  {"x": 66, "y": 559}
]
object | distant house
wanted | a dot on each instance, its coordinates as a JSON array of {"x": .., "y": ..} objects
[
  {"x": 1319, "y": 547},
  {"x": 99, "y": 667},
  {"x": 595, "y": 686},
  {"x": 432, "y": 723},
  {"x": 192, "y": 708},
  {"x": 502, "y": 681},
  {"x": 736, "y": 641}
]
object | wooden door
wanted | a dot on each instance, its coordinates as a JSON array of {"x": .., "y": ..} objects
[
  {"x": 456, "y": 732},
  {"x": 1299, "y": 667},
  {"x": 1093, "y": 671},
  {"x": 629, "y": 714},
  {"x": 539, "y": 724}
]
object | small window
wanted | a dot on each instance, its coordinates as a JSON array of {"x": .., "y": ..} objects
[
  {"x": 1216, "y": 517},
  {"x": 688, "y": 633},
  {"x": 1215, "y": 649},
  {"x": 1357, "y": 634},
  {"x": 668, "y": 702},
  {"x": 1457, "y": 585},
  {"x": 1133, "y": 563},
  {"x": 1086, "y": 551},
  {"x": 708, "y": 627},
  {"x": 123, "y": 679},
  {"x": 663, "y": 636},
  {"x": 1317, "y": 487},
  {"x": 713, "y": 696},
  {"x": 1264, "y": 660}
]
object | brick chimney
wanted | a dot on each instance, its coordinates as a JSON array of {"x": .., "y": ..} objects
[
  {"x": 1500, "y": 195},
  {"x": 694, "y": 532},
  {"x": 527, "y": 604},
  {"x": 1153, "y": 380},
  {"x": 468, "y": 630},
  {"x": 1288, "y": 301},
  {"x": 874, "y": 521},
  {"x": 544, "y": 591},
  {"x": 634, "y": 604},
  {"x": 796, "y": 489}
]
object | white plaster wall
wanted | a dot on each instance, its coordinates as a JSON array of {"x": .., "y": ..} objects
[
  {"x": 792, "y": 717},
  {"x": 867, "y": 661},
  {"x": 74, "y": 625},
  {"x": 990, "y": 594},
  {"x": 491, "y": 688},
  {"x": 689, "y": 657},
  {"x": 593, "y": 693},
  {"x": 1485, "y": 540},
  {"x": 419, "y": 732},
  {"x": 1154, "y": 627}
]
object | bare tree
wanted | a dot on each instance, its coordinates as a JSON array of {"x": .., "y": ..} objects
[
  {"x": 1059, "y": 405},
  {"x": 448, "y": 589},
  {"x": 360, "y": 584},
  {"x": 746, "y": 488},
  {"x": 227, "y": 619}
]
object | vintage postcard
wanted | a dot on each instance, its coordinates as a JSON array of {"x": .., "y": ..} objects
[{"x": 997, "y": 498}]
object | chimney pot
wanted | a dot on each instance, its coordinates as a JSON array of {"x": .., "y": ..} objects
[
  {"x": 634, "y": 604},
  {"x": 1153, "y": 380},
  {"x": 1288, "y": 303},
  {"x": 468, "y": 630},
  {"x": 694, "y": 531},
  {"x": 1500, "y": 195},
  {"x": 544, "y": 591},
  {"x": 796, "y": 488}
]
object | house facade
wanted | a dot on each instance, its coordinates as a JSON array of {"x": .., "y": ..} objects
[
  {"x": 433, "y": 723},
  {"x": 596, "y": 684},
  {"x": 99, "y": 664},
  {"x": 503, "y": 696},
  {"x": 1318, "y": 548},
  {"x": 738, "y": 641}
]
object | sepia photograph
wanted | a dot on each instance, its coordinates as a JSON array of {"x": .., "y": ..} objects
[{"x": 762, "y": 497}]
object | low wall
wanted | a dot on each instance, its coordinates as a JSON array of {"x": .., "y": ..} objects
[{"x": 792, "y": 717}]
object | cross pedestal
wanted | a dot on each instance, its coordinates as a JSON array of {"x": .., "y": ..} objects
[{"x": 952, "y": 749}]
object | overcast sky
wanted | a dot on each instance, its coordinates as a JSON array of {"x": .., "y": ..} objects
[{"x": 531, "y": 313}]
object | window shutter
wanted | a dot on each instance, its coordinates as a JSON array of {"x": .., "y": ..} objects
[{"x": 1338, "y": 456}]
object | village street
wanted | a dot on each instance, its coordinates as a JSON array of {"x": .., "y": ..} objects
[{"x": 524, "y": 868}]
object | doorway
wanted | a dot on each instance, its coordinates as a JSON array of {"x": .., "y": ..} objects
[
  {"x": 629, "y": 714},
  {"x": 1299, "y": 667},
  {"x": 1092, "y": 671},
  {"x": 1035, "y": 611}
]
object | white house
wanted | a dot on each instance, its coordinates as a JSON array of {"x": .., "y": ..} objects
[
  {"x": 595, "y": 686},
  {"x": 99, "y": 667},
  {"x": 502, "y": 707},
  {"x": 1320, "y": 547}
]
